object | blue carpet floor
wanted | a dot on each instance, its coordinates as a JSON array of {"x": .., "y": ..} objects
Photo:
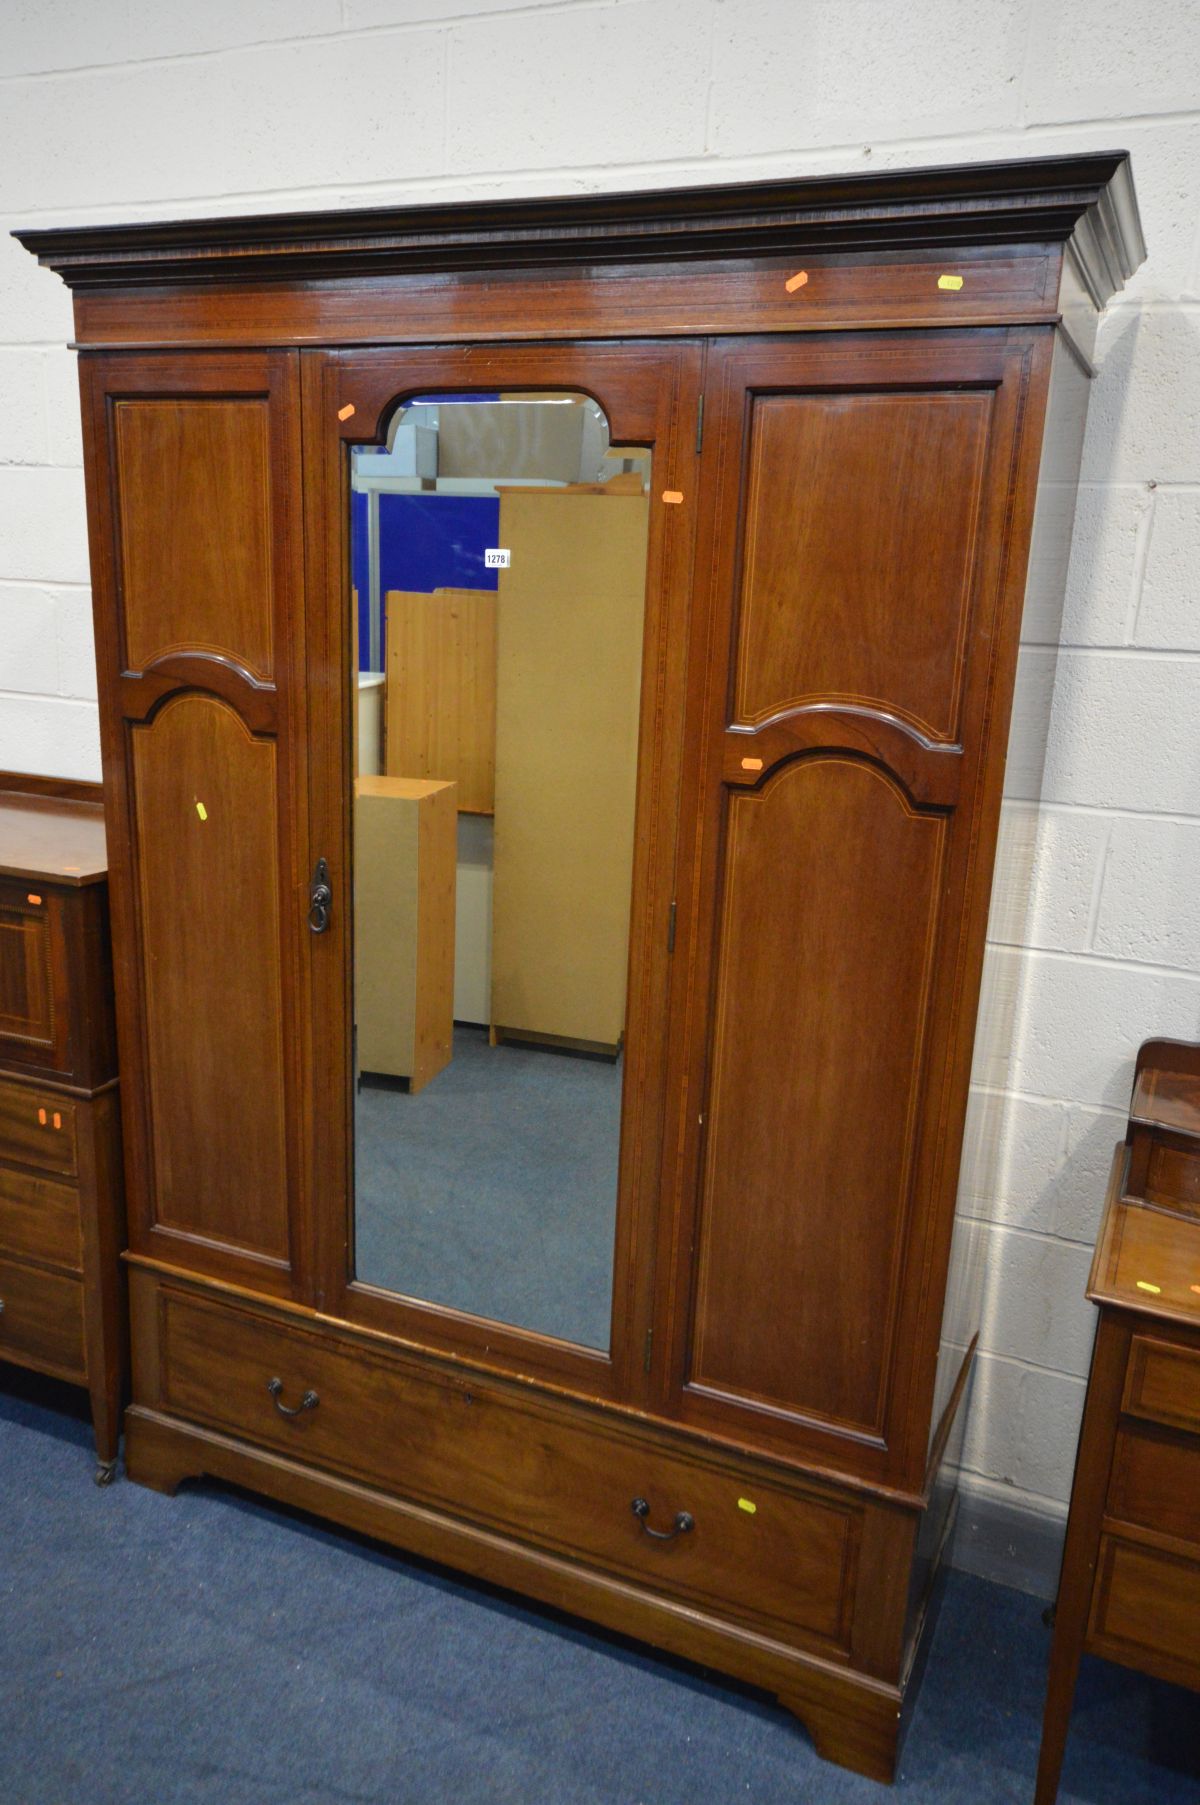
[
  {"x": 494, "y": 1189},
  {"x": 211, "y": 1648}
]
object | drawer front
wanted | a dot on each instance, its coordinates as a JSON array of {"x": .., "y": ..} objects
[
  {"x": 1156, "y": 1483},
  {"x": 31, "y": 1032},
  {"x": 41, "y": 1323},
  {"x": 39, "y": 1219},
  {"x": 1146, "y": 1610},
  {"x": 37, "y": 1128},
  {"x": 777, "y": 1558},
  {"x": 1163, "y": 1383}
]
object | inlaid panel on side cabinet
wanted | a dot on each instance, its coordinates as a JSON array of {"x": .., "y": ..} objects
[
  {"x": 1145, "y": 1609},
  {"x": 1163, "y": 1384},
  {"x": 26, "y": 989},
  {"x": 39, "y": 1219},
  {"x": 37, "y": 1128},
  {"x": 1155, "y": 1482},
  {"x": 854, "y": 502},
  {"x": 41, "y": 1323},
  {"x": 194, "y": 466}
]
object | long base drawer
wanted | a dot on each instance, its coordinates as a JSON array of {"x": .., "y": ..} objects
[
  {"x": 41, "y": 1321},
  {"x": 780, "y": 1557}
]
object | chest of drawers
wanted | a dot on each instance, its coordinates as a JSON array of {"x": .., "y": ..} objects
[
  {"x": 1130, "y": 1585},
  {"x": 62, "y": 1230}
]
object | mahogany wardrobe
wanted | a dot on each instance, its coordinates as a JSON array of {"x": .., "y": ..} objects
[{"x": 677, "y": 1337}]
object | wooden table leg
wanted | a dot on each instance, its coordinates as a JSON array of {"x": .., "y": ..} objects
[
  {"x": 105, "y": 1305},
  {"x": 1081, "y": 1548}
]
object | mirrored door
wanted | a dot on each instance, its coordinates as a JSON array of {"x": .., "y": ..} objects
[
  {"x": 502, "y": 618},
  {"x": 499, "y": 575}
]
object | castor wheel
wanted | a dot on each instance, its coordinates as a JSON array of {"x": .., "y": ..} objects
[{"x": 106, "y": 1472}]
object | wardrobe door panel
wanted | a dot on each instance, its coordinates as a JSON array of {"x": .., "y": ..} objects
[
  {"x": 197, "y": 557},
  {"x": 856, "y": 587},
  {"x": 846, "y": 749},
  {"x": 204, "y": 790},
  {"x": 200, "y": 468},
  {"x": 831, "y": 862}
]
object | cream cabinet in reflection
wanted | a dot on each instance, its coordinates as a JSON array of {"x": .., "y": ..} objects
[
  {"x": 404, "y": 866},
  {"x": 568, "y": 674}
]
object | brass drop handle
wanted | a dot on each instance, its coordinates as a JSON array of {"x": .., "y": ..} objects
[
  {"x": 684, "y": 1521},
  {"x": 309, "y": 1401}
]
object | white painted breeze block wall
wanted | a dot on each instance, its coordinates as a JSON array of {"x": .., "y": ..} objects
[{"x": 122, "y": 109}]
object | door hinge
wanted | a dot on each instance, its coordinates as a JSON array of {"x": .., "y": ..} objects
[
  {"x": 646, "y": 1354},
  {"x": 700, "y": 423},
  {"x": 671, "y": 927}
]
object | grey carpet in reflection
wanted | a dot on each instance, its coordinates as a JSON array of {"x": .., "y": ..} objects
[{"x": 494, "y": 1189}]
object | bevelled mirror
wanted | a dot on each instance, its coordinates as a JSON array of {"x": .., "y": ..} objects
[{"x": 498, "y": 578}]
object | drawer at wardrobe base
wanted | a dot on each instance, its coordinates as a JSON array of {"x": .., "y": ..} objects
[
  {"x": 37, "y": 1128},
  {"x": 1155, "y": 1482},
  {"x": 779, "y": 1557},
  {"x": 39, "y": 1219},
  {"x": 41, "y": 1322},
  {"x": 1146, "y": 1609}
]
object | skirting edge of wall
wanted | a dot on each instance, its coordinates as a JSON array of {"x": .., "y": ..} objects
[{"x": 1008, "y": 1537}]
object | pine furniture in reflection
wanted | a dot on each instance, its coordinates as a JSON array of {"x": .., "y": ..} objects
[{"x": 405, "y": 850}]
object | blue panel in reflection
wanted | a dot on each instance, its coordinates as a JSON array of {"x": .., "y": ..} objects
[{"x": 430, "y": 541}]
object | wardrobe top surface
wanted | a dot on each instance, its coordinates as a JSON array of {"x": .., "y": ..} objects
[{"x": 52, "y": 839}]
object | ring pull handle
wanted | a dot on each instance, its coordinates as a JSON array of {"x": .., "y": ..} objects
[
  {"x": 309, "y": 1401},
  {"x": 320, "y": 898},
  {"x": 684, "y": 1521}
]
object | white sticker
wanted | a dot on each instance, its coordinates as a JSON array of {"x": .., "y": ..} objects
[{"x": 496, "y": 559}]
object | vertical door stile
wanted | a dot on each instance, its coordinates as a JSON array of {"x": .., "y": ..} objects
[
  {"x": 329, "y": 977},
  {"x": 662, "y": 779}
]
